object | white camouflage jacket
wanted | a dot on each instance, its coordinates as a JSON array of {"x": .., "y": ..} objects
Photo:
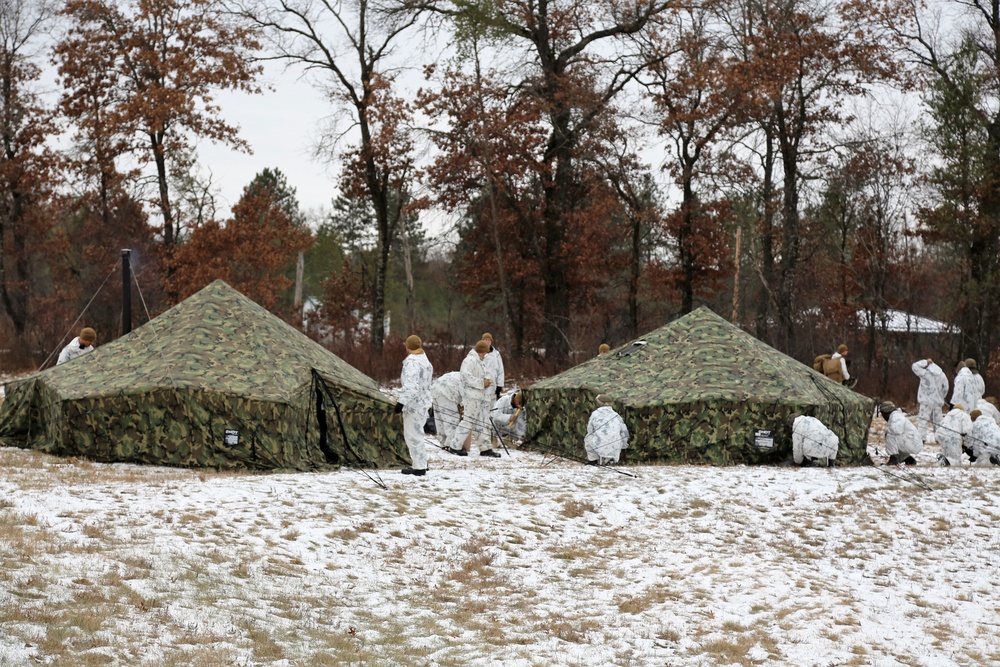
[
  {"x": 73, "y": 350},
  {"x": 473, "y": 373},
  {"x": 812, "y": 439},
  {"x": 607, "y": 433},
  {"x": 415, "y": 381}
]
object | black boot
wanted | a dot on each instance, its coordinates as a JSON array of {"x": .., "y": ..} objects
[{"x": 419, "y": 472}]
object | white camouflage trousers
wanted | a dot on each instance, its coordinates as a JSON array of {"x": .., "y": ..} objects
[
  {"x": 475, "y": 421},
  {"x": 928, "y": 419},
  {"x": 413, "y": 434}
]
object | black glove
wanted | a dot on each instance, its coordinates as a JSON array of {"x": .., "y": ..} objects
[
  {"x": 499, "y": 391},
  {"x": 398, "y": 408}
]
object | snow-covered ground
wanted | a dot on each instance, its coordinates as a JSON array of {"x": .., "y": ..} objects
[{"x": 519, "y": 561}]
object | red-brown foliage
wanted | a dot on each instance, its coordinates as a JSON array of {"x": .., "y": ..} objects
[{"x": 252, "y": 252}]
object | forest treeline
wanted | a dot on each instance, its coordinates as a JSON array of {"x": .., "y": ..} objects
[{"x": 825, "y": 163}]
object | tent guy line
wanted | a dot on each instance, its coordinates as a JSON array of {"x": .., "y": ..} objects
[{"x": 72, "y": 327}]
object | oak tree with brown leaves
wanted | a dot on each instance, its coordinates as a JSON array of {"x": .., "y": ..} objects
[
  {"x": 695, "y": 101},
  {"x": 485, "y": 171},
  {"x": 488, "y": 171},
  {"x": 141, "y": 76},
  {"x": 26, "y": 164},
  {"x": 797, "y": 61},
  {"x": 564, "y": 42}
]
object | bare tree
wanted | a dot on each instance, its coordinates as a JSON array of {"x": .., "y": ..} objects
[{"x": 346, "y": 46}]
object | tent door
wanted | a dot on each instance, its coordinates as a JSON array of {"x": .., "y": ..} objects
[{"x": 324, "y": 429}]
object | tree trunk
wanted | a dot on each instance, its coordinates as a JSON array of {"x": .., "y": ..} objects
[
  {"x": 505, "y": 296},
  {"x": 979, "y": 317},
  {"x": 635, "y": 271},
  {"x": 788, "y": 145},
  {"x": 556, "y": 289},
  {"x": 13, "y": 243},
  {"x": 789, "y": 251},
  {"x": 762, "y": 329},
  {"x": 300, "y": 269},
  {"x": 558, "y": 199},
  {"x": 411, "y": 315},
  {"x": 380, "y": 203},
  {"x": 14, "y": 280},
  {"x": 486, "y": 161},
  {"x": 689, "y": 207},
  {"x": 161, "y": 178}
]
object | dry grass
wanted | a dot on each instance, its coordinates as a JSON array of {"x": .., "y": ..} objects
[
  {"x": 575, "y": 508},
  {"x": 289, "y": 583},
  {"x": 735, "y": 649}
]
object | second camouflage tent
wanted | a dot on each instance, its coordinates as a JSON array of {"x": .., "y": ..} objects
[{"x": 697, "y": 390}]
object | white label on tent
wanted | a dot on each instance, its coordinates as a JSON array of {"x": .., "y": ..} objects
[
  {"x": 232, "y": 437},
  {"x": 763, "y": 440}
]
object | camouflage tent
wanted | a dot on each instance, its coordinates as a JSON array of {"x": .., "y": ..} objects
[
  {"x": 216, "y": 381},
  {"x": 698, "y": 390}
]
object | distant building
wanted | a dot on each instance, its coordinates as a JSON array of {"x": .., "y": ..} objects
[
  {"x": 311, "y": 310},
  {"x": 898, "y": 321}
]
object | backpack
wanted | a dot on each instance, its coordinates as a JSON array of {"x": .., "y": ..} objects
[
  {"x": 819, "y": 361},
  {"x": 833, "y": 370}
]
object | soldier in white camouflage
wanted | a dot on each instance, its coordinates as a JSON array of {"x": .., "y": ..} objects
[
  {"x": 812, "y": 442},
  {"x": 902, "y": 439},
  {"x": 964, "y": 388},
  {"x": 978, "y": 383},
  {"x": 951, "y": 435},
  {"x": 931, "y": 395},
  {"x": 607, "y": 434},
  {"x": 985, "y": 440},
  {"x": 446, "y": 395},
  {"x": 493, "y": 363},
  {"x": 477, "y": 389},
  {"x": 508, "y": 414},
  {"x": 79, "y": 346},
  {"x": 414, "y": 402},
  {"x": 987, "y": 406}
]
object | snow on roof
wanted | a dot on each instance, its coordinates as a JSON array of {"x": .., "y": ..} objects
[{"x": 903, "y": 322}]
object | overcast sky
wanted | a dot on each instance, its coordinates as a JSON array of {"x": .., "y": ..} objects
[{"x": 281, "y": 126}]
